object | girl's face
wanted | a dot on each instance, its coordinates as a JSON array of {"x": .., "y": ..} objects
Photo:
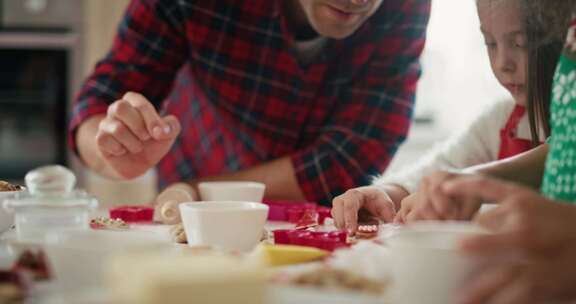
[
  {"x": 338, "y": 19},
  {"x": 502, "y": 24}
]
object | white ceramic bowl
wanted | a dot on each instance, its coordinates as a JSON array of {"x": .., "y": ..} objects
[
  {"x": 232, "y": 191},
  {"x": 79, "y": 258},
  {"x": 6, "y": 218},
  {"x": 224, "y": 225},
  {"x": 426, "y": 263}
]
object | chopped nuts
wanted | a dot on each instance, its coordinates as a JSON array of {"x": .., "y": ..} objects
[
  {"x": 178, "y": 234},
  {"x": 107, "y": 223},
  {"x": 335, "y": 278}
]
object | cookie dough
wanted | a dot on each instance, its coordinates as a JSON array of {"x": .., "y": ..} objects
[{"x": 6, "y": 186}]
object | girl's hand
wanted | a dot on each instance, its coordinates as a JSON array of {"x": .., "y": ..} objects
[
  {"x": 524, "y": 221},
  {"x": 372, "y": 200},
  {"x": 535, "y": 281},
  {"x": 540, "y": 233},
  {"x": 430, "y": 202}
]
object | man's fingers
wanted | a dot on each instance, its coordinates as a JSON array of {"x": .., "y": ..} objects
[
  {"x": 155, "y": 125},
  {"x": 121, "y": 134},
  {"x": 109, "y": 146},
  {"x": 172, "y": 122},
  {"x": 127, "y": 114}
]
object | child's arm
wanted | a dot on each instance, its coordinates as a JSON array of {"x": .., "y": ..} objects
[
  {"x": 526, "y": 168},
  {"x": 433, "y": 203},
  {"x": 474, "y": 145}
]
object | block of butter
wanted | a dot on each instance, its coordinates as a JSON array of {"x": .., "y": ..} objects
[
  {"x": 278, "y": 255},
  {"x": 150, "y": 279}
]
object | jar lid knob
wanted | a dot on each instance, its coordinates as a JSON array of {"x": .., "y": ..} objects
[{"x": 50, "y": 180}]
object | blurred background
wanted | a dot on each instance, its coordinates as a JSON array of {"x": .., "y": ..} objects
[{"x": 47, "y": 47}]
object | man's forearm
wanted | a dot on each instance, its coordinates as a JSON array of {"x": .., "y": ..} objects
[
  {"x": 526, "y": 168},
  {"x": 86, "y": 144},
  {"x": 278, "y": 175}
]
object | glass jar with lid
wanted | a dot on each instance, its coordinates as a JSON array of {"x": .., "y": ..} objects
[{"x": 50, "y": 205}]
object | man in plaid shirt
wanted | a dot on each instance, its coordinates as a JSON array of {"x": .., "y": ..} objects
[{"x": 310, "y": 97}]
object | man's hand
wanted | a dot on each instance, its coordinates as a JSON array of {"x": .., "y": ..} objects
[
  {"x": 373, "y": 200},
  {"x": 132, "y": 137}
]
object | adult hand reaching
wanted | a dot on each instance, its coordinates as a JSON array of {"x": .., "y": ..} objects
[{"x": 132, "y": 137}]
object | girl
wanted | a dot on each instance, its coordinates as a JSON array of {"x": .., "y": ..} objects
[
  {"x": 540, "y": 229},
  {"x": 551, "y": 167},
  {"x": 502, "y": 131}
]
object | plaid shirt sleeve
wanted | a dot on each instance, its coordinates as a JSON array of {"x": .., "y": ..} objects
[
  {"x": 374, "y": 113},
  {"x": 147, "y": 52}
]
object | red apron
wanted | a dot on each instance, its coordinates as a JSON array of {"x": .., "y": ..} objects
[{"x": 510, "y": 144}]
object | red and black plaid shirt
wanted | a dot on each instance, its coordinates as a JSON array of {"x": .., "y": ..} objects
[{"x": 243, "y": 98}]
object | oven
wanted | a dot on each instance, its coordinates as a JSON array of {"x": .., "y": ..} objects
[{"x": 40, "y": 61}]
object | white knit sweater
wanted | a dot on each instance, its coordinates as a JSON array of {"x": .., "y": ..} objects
[{"x": 477, "y": 144}]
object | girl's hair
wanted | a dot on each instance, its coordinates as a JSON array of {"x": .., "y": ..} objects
[
  {"x": 546, "y": 27},
  {"x": 550, "y": 16},
  {"x": 542, "y": 60}
]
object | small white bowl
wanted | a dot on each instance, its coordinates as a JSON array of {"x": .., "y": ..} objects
[
  {"x": 425, "y": 257},
  {"x": 224, "y": 225},
  {"x": 232, "y": 191},
  {"x": 6, "y": 218}
]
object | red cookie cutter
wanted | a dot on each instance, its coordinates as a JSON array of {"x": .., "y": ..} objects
[
  {"x": 323, "y": 214},
  {"x": 133, "y": 213},
  {"x": 293, "y": 212},
  {"x": 329, "y": 241}
]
